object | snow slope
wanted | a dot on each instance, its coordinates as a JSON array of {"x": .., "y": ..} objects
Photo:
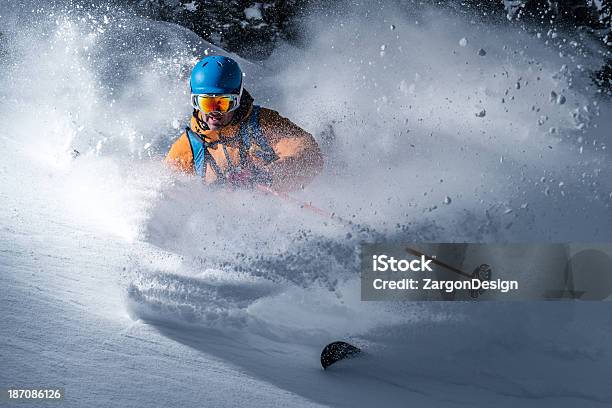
[{"x": 132, "y": 287}]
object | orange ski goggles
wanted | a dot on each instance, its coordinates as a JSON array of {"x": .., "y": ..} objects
[{"x": 215, "y": 103}]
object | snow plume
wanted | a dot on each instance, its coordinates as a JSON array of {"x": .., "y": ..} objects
[
  {"x": 435, "y": 128},
  {"x": 95, "y": 98},
  {"x": 429, "y": 118},
  {"x": 90, "y": 95}
]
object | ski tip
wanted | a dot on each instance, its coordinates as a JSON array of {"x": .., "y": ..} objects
[{"x": 336, "y": 351}]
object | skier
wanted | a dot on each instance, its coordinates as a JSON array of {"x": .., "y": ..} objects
[{"x": 233, "y": 141}]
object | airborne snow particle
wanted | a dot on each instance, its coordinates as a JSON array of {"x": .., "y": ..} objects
[
  {"x": 193, "y": 6},
  {"x": 482, "y": 52},
  {"x": 463, "y": 42},
  {"x": 447, "y": 200},
  {"x": 253, "y": 13},
  {"x": 560, "y": 100},
  {"x": 553, "y": 96},
  {"x": 392, "y": 27}
]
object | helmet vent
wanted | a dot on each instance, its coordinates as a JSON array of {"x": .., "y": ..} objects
[{"x": 204, "y": 64}]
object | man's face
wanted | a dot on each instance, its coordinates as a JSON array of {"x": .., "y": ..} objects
[{"x": 217, "y": 120}]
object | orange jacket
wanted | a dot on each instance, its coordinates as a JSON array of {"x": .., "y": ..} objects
[{"x": 299, "y": 157}]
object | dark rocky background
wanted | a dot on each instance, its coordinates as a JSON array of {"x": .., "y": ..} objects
[
  {"x": 225, "y": 23},
  {"x": 245, "y": 27},
  {"x": 251, "y": 29}
]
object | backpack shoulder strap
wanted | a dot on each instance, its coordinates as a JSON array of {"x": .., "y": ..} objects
[
  {"x": 198, "y": 152},
  {"x": 201, "y": 156},
  {"x": 265, "y": 152}
]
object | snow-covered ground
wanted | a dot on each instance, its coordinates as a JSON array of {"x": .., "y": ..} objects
[{"x": 129, "y": 286}]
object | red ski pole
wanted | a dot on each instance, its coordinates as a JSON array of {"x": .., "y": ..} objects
[{"x": 302, "y": 204}]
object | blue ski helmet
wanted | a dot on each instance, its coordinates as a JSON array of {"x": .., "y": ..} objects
[{"x": 216, "y": 74}]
